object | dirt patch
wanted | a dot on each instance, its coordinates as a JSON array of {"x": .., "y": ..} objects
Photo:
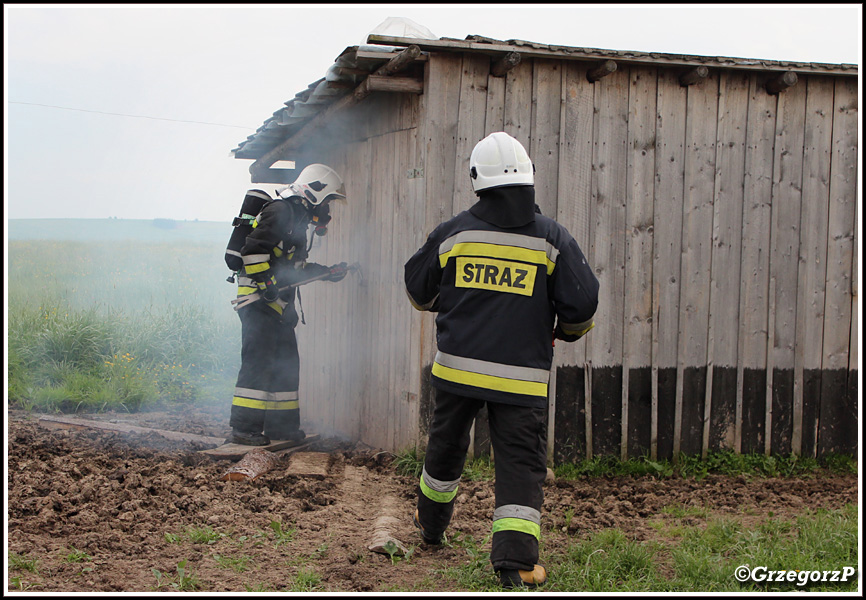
[{"x": 132, "y": 505}]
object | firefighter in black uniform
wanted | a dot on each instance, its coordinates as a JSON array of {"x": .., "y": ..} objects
[
  {"x": 266, "y": 405},
  {"x": 506, "y": 281}
]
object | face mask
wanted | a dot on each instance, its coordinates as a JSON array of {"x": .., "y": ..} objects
[{"x": 321, "y": 217}]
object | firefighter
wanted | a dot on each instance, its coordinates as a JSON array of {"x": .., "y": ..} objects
[
  {"x": 505, "y": 281},
  {"x": 266, "y": 405}
]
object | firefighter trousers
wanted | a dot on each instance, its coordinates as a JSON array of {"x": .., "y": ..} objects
[
  {"x": 266, "y": 394},
  {"x": 518, "y": 435}
]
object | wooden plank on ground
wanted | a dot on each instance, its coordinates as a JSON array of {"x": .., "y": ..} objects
[
  {"x": 237, "y": 451},
  {"x": 309, "y": 464},
  {"x": 63, "y": 422}
]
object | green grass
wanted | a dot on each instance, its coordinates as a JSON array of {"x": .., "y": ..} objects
[
  {"x": 183, "y": 581},
  {"x": 95, "y": 327},
  {"x": 411, "y": 460},
  {"x": 281, "y": 535},
  {"x": 307, "y": 580},
  {"x": 701, "y": 558},
  {"x": 238, "y": 564},
  {"x": 77, "y": 556},
  {"x": 686, "y": 557},
  {"x": 23, "y": 563},
  {"x": 196, "y": 535}
]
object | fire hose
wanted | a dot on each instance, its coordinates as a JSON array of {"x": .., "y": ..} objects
[{"x": 238, "y": 303}]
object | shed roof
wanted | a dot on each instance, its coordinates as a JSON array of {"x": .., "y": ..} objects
[{"x": 356, "y": 63}]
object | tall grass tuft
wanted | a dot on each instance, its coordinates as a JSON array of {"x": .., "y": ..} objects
[{"x": 98, "y": 327}]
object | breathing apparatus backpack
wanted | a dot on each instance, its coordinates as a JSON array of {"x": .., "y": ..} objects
[{"x": 254, "y": 202}]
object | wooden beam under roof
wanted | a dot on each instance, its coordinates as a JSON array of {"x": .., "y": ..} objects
[
  {"x": 260, "y": 170},
  {"x": 531, "y": 50}
]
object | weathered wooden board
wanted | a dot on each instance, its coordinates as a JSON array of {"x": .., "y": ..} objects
[
  {"x": 837, "y": 429},
  {"x": 605, "y": 341},
  {"x": 543, "y": 146},
  {"x": 720, "y": 404},
  {"x": 699, "y": 176},
  {"x": 667, "y": 242},
  {"x": 755, "y": 270},
  {"x": 786, "y": 434},
  {"x": 518, "y": 102},
  {"x": 637, "y": 313},
  {"x": 237, "y": 451},
  {"x": 568, "y": 436},
  {"x": 309, "y": 464},
  {"x": 785, "y": 252},
  {"x": 439, "y": 139},
  {"x": 63, "y": 422}
]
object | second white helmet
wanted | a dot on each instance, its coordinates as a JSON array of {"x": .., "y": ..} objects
[
  {"x": 317, "y": 183},
  {"x": 500, "y": 160}
]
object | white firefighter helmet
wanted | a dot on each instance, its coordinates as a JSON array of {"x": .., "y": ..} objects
[
  {"x": 317, "y": 183},
  {"x": 500, "y": 160}
]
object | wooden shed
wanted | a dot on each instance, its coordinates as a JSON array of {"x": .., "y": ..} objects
[{"x": 716, "y": 198}]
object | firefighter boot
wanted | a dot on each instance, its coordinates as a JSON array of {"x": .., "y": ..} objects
[
  {"x": 430, "y": 540},
  {"x": 511, "y": 578},
  {"x": 247, "y": 438}
]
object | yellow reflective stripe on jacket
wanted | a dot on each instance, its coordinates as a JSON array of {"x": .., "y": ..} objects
[
  {"x": 492, "y": 376},
  {"x": 577, "y": 328},
  {"x": 497, "y": 244},
  {"x": 501, "y": 384},
  {"x": 257, "y": 268}
]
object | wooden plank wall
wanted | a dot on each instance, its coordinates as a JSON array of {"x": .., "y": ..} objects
[{"x": 719, "y": 219}]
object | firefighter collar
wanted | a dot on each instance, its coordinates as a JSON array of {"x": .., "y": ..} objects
[{"x": 508, "y": 207}]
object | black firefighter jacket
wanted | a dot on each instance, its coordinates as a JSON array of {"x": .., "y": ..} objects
[
  {"x": 277, "y": 249},
  {"x": 505, "y": 280}
]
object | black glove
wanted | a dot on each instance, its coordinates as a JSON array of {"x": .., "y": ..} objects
[
  {"x": 270, "y": 293},
  {"x": 337, "y": 272},
  {"x": 559, "y": 334}
]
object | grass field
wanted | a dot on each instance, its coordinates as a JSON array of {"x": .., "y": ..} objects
[{"x": 119, "y": 324}]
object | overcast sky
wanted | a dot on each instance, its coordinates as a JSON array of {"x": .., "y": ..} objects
[{"x": 196, "y": 80}]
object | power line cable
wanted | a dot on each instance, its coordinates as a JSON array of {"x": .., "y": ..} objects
[{"x": 100, "y": 112}]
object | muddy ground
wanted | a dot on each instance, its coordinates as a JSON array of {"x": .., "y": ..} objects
[{"x": 101, "y": 511}]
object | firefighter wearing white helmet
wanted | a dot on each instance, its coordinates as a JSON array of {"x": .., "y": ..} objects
[
  {"x": 316, "y": 184},
  {"x": 266, "y": 404},
  {"x": 505, "y": 281},
  {"x": 500, "y": 160}
]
